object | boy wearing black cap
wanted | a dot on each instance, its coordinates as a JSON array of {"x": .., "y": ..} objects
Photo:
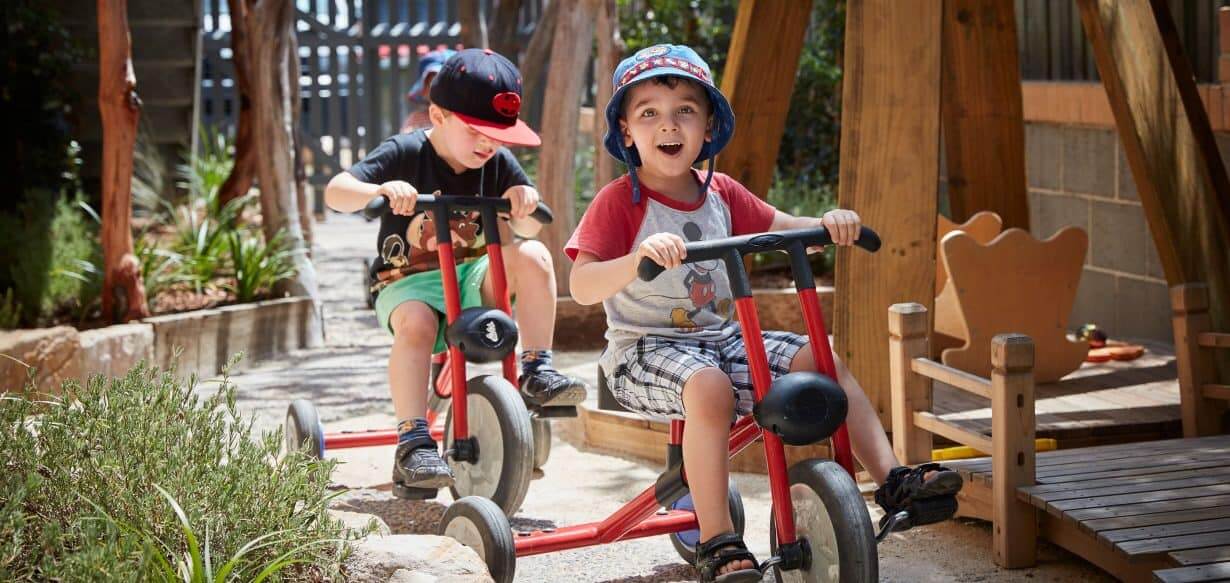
[
  {"x": 476, "y": 97},
  {"x": 672, "y": 345}
]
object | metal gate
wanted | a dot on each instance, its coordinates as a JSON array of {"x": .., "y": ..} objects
[{"x": 357, "y": 59}]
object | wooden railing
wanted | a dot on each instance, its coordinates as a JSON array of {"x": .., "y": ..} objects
[
  {"x": 1203, "y": 402},
  {"x": 1011, "y": 444}
]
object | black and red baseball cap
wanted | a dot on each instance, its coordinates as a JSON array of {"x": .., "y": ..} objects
[{"x": 484, "y": 89}]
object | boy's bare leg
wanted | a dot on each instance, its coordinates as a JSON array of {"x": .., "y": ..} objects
[
  {"x": 531, "y": 277},
  {"x": 414, "y": 334},
  {"x": 709, "y": 402}
]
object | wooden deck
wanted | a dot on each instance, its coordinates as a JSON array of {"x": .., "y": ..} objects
[
  {"x": 1100, "y": 403},
  {"x": 1157, "y": 511}
]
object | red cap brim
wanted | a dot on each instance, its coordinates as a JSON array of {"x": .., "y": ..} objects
[{"x": 517, "y": 134}]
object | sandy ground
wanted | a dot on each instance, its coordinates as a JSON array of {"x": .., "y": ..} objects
[{"x": 346, "y": 381}]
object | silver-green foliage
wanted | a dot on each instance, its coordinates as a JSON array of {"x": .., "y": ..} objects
[{"x": 146, "y": 477}]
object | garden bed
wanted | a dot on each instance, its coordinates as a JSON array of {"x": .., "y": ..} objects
[{"x": 204, "y": 339}]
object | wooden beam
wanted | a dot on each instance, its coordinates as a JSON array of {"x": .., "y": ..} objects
[
  {"x": 929, "y": 422},
  {"x": 574, "y": 35},
  {"x": 1015, "y": 539},
  {"x": 890, "y": 124},
  {"x": 1189, "y": 305},
  {"x": 758, "y": 81},
  {"x": 984, "y": 130},
  {"x": 959, "y": 379},
  {"x": 1168, "y": 142},
  {"x": 908, "y": 325}
]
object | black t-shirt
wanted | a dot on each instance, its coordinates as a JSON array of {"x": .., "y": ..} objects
[{"x": 408, "y": 244}]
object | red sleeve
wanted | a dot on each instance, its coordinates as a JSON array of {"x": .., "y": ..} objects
[
  {"x": 748, "y": 213},
  {"x": 609, "y": 225}
]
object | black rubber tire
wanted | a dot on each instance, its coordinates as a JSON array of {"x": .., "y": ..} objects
[
  {"x": 687, "y": 551},
  {"x": 542, "y": 441},
  {"x": 478, "y": 523},
  {"x": 830, "y": 513},
  {"x": 501, "y": 424},
  {"x": 303, "y": 431}
]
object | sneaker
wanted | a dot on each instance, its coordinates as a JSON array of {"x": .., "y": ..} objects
[
  {"x": 417, "y": 464},
  {"x": 547, "y": 387}
]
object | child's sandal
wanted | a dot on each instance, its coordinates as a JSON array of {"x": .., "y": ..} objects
[{"x": 720, "y": 551}]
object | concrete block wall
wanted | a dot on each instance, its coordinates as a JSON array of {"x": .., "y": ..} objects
[{"x": 1079, "y": 176}]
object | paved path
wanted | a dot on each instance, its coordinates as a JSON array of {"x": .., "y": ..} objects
[{"x": 346, "y": 380}]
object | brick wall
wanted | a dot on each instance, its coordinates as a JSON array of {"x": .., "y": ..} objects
[{"x": 1079, "y": 176}]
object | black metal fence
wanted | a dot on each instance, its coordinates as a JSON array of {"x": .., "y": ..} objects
[{"x": 357, "y": 59}]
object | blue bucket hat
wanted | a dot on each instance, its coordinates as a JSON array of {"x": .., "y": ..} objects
[
  {"x": 657, "y": 61},
  {"x": 429, "y": 63}
]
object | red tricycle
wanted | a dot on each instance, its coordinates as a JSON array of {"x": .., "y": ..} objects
[
  {"x": 821, "y": 529},
  {"x": 494, "y": 441}
]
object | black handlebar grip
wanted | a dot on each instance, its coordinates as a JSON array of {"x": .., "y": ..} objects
[
  {"x": 648, "y": 270},
  {"x": 379, "y": 206}
]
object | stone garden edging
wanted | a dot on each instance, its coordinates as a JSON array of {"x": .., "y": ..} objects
[{"x": 208, "y": 338}]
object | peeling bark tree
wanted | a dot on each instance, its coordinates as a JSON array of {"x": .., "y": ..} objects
[
  {"x": 244, "y": 170},
  {"x": 473, "y": 24},
  {"x": 123, "y": 294},
  {"x": 534, "y": 65},
  {"x": 271, "y": 30},
  {"x": 502, "y": 29},
  {"x": 610, "y": 50}
]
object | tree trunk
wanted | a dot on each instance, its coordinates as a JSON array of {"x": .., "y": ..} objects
[
  {"x": 534, "y": 66},
  {"x": 123, "y": 293},
  {"x": 473, "y": 24},
  {"x": 274, "y": 88},
  {"x": 242, "y": 173},
  {"x": 502, "y": 29},
  {"x": 562, "y": 106},
  {"x": 306, "y": 210},
  {"x": 610, "y": 48}
]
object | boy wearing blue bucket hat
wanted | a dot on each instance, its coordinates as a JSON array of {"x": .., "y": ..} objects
[
  {"x": 475, "y": 102},
  {"x": 672, "y": 345}
]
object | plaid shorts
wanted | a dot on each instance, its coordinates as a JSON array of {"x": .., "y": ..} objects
[{"x": 649, "y": 376}]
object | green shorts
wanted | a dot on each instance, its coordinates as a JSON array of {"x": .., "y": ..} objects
[{"x": 427, "y": 287}]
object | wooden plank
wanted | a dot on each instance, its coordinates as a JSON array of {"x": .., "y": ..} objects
[
  {"x": 1169, "y": 144},
  {"x": 1173, "y": 543},
  {"x": 907, "y": 339},
  {"x": 929, "y": 422},
  {"x": 1160, "y": 473},
  {"x": 1214, "y": 340},
  {"x": 1053, "y": 498},
  {"x": 1211, "y": 445},
  {"x": 1210, "y": 572},
  {"x": 1012, "y": 411},
  {"x": 1109, "y": 525},
  {"x": 1219, "y": 392},
  {"x": 1165, "y": 530},
  {"x": 959, "y": 379},
  {"x": 1066, "y": 506},
  {"x": 758, "y": 81},
  {"x": 1180, "y": 505},
  {"x": 890, "y": 118},
  {"x": 984, "y": 131},
  {"x": 1201, "y": 556},
  {"x": 1068, "y": 536}
]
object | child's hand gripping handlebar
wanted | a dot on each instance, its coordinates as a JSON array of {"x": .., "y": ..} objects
[
  {"x": 795, "y": 242},
  {"x": 379, "y": 206}
]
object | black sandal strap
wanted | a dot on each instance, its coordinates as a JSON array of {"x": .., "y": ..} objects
[{"x": 719, "y": 551}]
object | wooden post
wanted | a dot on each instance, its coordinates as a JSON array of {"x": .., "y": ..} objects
[
  {"x": 1168, "y": 143},
  {"x": 758, "y": 82},
  {"x": 120, "y": 110},
  {"x": 1189, "y": 304},
  {"x": 907, "y": 339},
  {"x": 1012, "y": 462},
  {"x": 890, "y": 137},
  {"x": 610, "y": 50},
  {"x": 984, "y": 128},
  {"x": 562, "y": 106}
]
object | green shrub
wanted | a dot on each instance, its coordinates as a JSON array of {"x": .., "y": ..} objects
[
  {"x": 127, "y": 478},
  {"x": 258, "y": 265},
  {"x": 51, "y": 252},
  {"x": 10, "y": 311}
]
